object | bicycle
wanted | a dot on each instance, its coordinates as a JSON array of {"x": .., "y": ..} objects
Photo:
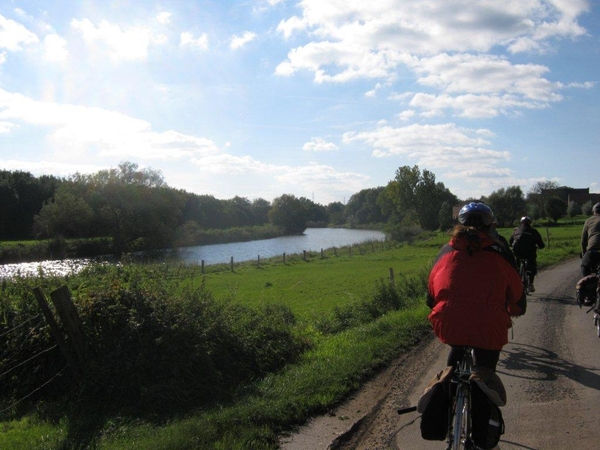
[
  {"x": 524, "y": 273},
  {"x": 459, "y": 427}
]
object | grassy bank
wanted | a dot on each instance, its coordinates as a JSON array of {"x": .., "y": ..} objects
[{"x": 342, "y": 311}]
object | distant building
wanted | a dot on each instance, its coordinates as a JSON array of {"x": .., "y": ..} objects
[{"x": 568, "y": 195}]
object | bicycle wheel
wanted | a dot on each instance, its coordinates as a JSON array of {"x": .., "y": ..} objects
[
  {"x": 597, "y": 316},
  {"x": 460, "y": 436},
  {"x": 524, "y": 277}
]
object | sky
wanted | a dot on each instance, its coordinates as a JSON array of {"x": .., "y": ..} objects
[{"x": 313, "y": 98}]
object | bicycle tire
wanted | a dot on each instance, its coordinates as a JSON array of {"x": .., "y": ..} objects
[
  {"x": 524, "y": 276},
  {"x": 461, "y": 421}
]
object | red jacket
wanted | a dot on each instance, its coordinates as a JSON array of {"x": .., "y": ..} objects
[{"x": 473, "y": 291}]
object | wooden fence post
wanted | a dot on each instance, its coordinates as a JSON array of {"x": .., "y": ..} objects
[
  {"x": 231, "y": 263},
  {"x": 284, "y": 258},
  {"x": 202, "y": 265},
  {"x": 391, "y": 275},
  {"x": 61, "y": 298},
  {"x": 258, "y": 262},
  {"x": 55, "y": 331},
  {"x": 304, "y": 255}
]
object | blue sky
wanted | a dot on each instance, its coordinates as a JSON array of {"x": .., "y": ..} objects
[{"x": 314, "y": 98}]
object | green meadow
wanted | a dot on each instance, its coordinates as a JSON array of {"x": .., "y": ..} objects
[{"x": 320, "y": 326}]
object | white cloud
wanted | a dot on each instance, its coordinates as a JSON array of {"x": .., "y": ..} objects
[
  {"x": 232, "y": 165},
  {"x": 352, "y": 39},
  {"x": 55, "y": 48},
  {"x": 188, "y": 39},
  {"x": 317, "y": 144},
  {"x": 74, "y": 129},
  {"x": 130, "y": 44},
  {"x": 44, "y": 167},
  {"x": 13, "y": 35},
  {"x": 6, "y": 127},
  {"x": 420, "y": 140},
  {"x": 239, "y": 41},
  {"x": 323, "y": 179},
  {"x": 164, "y": 18}
]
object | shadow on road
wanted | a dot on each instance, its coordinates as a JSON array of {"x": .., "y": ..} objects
[{"x": 535, "y": 363}]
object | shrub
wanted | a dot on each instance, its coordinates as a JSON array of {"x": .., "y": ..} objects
[{"x": 151, "y": 351}]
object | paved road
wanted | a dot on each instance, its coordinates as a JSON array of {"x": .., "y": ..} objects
[{"x": 551, "y": 369}]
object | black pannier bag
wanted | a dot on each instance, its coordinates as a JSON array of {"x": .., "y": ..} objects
[
  {"x": 586, "y": 290},
  {"x": 434, "y": 406},
  {"x": 486, "y": 419}
]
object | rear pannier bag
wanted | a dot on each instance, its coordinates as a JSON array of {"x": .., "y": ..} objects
[
  {"x": 586, "y": 290},
  {"x": 434, "y": 406},
  {"x": 486, "y": 419}
]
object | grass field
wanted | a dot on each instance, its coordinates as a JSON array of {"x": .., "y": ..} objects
[{"x": 335, "y": 366}]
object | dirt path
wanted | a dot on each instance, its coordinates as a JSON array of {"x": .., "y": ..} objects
[{"x": 551, "y": 369}]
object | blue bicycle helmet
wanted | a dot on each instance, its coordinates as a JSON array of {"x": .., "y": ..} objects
[{"x": 476, "y": 215}]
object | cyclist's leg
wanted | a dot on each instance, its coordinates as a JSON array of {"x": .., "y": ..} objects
[
  {"x": 594, "y": 260},
  {"x": 456, "y": 354},
  {"x": 485, "y": 371},
  {"x": 532, "y": 267},
  {"x": 486, "y": 358},
  {"x": 586, "y": 264}
]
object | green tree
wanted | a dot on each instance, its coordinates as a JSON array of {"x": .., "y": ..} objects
[
  {"x": 539, "y": 194},
  {"x": 573, "y": 209},
  {"x": 508, "y": 205},
  {"x": 289, "y": 213},
  {"x": 317, "y": 215},
  {"x": 135, "y": 207},
  {"x": 21, "y": 198},
  {"x": 364, "y": 208},
  {"x": 555, "y": 208},
  {"x": 587, "y": 207},
  {"x": 415, "y": 196},
  {"x": 260, "y": 211},
  {"x": 238, "y": 212},
  {"x": 337, "y": 213},
  {"x": 445, "y": 216},
  {"x": 66, "y": 215}
]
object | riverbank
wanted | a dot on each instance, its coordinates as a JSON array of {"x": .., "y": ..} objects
[{"x": 15, "y": 252}]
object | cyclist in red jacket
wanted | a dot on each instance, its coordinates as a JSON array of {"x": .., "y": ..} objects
[{"x": 474, "y": 290}]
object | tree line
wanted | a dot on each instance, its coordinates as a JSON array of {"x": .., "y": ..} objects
[{"x": 137, "y": 210}]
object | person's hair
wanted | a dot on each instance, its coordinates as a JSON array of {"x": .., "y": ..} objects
[
  {"x": 471, "y": 234},
  {"x": 596, "y": 209}
]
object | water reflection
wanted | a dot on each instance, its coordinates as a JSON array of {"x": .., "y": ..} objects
[
  {"x": 313, "y": 239},
  {"x": 47, "y": 268}
]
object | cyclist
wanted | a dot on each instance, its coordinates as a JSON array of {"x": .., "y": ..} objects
[
  {"x": 473, "y": 291},
  {"x": 590, "y": 242},
  {"x": 525, "y": 241}
]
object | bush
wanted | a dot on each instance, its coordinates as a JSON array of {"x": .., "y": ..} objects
[
  {"x": 151, "y": 351},
  {"x": 384, "y": 298}
]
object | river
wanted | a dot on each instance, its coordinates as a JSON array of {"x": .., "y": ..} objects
[{"x": 313, "y": 239}]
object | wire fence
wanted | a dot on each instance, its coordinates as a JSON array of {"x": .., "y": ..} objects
[{"x": 22, "y": 354}]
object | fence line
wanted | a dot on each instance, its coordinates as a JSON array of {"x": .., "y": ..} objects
[
  {"x": 27, "y": 360},
  {"x": 32, "y": 392},
  {"x": 19, "y": 326}
]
